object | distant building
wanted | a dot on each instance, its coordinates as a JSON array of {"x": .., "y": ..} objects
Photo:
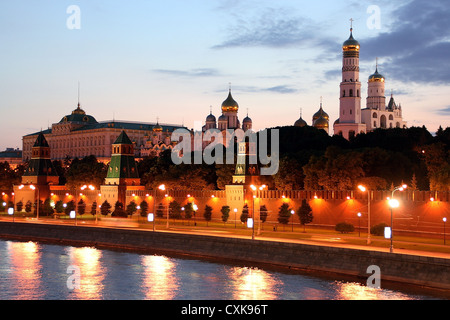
[
  {"x": 12, "y": 156},
  {"x": 352, "y": 119},
  {"x": 79, "y": 135}
]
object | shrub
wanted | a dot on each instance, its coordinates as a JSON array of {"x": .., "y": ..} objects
[
  {"x": 378, "y": 230},
  {"x": 344, "y": 227}
]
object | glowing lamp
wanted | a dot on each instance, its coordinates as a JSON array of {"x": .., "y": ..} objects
[
  {"x": 250, "y": 223},
  {"x": 393, "y": 203},
  {"x": 72, "y": 214},
  {"x": 10, "y": 211},
  {"x": 150, "y": 217},
  {"x": 387, "y": 233}
]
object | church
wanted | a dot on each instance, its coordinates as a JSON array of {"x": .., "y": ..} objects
[{"x": 354, "y": 120}]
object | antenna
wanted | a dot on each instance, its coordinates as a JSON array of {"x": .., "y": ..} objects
[{"x": 78, "y": 93}]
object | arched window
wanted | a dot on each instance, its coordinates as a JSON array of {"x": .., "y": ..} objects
[
  {"x": 375, "y": 115},
  {"x": 351, "y": 92}
]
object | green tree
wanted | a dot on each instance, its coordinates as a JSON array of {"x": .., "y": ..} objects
[
  {"x": 131, "y": 208},
  {"x": 188, "y": 211},
  {"x": 105, "y": 208},
  {"x": 208, "y": 214},
  {"x": 305, "y": 214},
  {"x": 225, "y": 213},
  {"x": 244, "y": 214},
  {"x": 81, "y": 207},
  {"x": 175, "y": 210},
  {"x": 144, "y": 208},
  {"x": 59, "y": 206},
  {"x": 19, "y": 206},
  {"x": 94, "y": 208},
  {"x": 263, "y": 213},
  {"x": 84, "y": 172},
  {"x": 70, "y": 207},
  {"x": 118, "y": 210},
  {"x": 284, "y": 214},
  {"x": 28, "y": 206}
]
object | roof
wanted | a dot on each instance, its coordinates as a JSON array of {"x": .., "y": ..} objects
[
  {"x": 123, "y": 138},
  {"x": 41, "y": 141}
]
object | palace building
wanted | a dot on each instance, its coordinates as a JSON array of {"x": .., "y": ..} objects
[{"x": 79, "y": 135}]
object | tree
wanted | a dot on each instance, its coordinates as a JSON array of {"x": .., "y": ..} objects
[
  {"x": 118, "y": 210},
  {"x": 105, "y": 208},
  {"x": 70, "y": 207},
  {"x": 47, "y": 209},
  {"x": 207, "y": 214},
  {"x": 85, "y": 171},
  {"x": 175, "y": 210},
  {"x": 131, "y": 208},
  {"x": 81, "y": 207},
  {"x": 225, "y": 213},
  {"x": 344, "y": 227},
  {"x": 59, "y": 206},
  {"x": 94, "y": 208},
  {"x": 19, "y": 206},
  {"x": 305, "y": 214},
  {"x": 263, "y": 213},
  {"x": 244, "y": 214},
  {"x": 28, "y": 206},
  {"x": 284, "y": 214},
  {"x": 144, "y": 208},
  {"x": 188, "y": 211}
]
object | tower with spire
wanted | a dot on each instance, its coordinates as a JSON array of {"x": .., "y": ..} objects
[{"x": 349, "y": 123}]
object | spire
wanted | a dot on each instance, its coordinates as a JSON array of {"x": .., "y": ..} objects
[
  {"x": 78, "y": 94},
  {"x": 351, "y": 24}
]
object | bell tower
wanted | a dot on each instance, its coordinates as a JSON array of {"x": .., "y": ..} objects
[{"x": 349, "y": 123}]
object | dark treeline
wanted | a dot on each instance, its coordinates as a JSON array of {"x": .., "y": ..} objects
[{"x": 309, "y": 159}]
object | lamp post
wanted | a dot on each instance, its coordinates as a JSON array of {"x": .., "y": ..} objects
[
  {"x": 292, "y": 214},
  {"x": 235, "y": 212},
  {"x": 364, "y": 189},
  {"x": 359, "y": 224},
  {"x": 33, "y": 187},
  {"x": 444, "y": 220},
  {"x": 163, "y": 188},
  {"x": 255, "y": 189},
  {"x": 393, "y": 203}
]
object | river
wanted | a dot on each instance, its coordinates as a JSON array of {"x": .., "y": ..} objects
[{"x": 36, "y": 271}]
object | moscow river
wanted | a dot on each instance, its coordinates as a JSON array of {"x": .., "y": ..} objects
[{"x": 34, "y": 271}]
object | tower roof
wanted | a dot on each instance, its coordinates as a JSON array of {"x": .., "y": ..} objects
[
  {"x": 41, "y": 141},
  {"x": 123, "y": 138},
  {"x": 377, "y": 77},
  {"x": 79, "y": 115},
  {"x": 351, "y": 44}
]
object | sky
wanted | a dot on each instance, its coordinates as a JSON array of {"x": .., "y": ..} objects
[{"x": 172, "y": 60}]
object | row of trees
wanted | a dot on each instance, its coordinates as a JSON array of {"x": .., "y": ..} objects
[{"x": 309, "y": 159}]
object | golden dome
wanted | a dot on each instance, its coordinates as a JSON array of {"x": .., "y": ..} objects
[
  {"x": 320, "y": 114},
  {"x": 230, "y": 105},
  {"x": 321, "y": 123},
  {"x": 351, "y": 44}
]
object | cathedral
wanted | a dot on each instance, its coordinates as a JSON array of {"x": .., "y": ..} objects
[{"x": 354, "y": 120}]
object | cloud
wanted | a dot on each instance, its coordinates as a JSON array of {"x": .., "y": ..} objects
[
  {"x": 273, "y": 28},
  {"x": 193, "y": 73},
  {"x": 444, "y": 111},
  {"x": 417, "y": 48},
  {"x": 281, "y": 89}
]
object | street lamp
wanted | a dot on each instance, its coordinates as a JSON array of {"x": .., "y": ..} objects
[
  {"x": 255, "y": 189},
  {"x": 235, "y": 212},
  {"x": 163, "y": 188},
  {"x": 393, "y": 203},
  {"x": 32, "y": 187},
  {"x": 359, "y": 226},
  {"x": 292, "y": 213},
  {"x": 364, "y": 189},
  {"x": 444, "y": 220}
]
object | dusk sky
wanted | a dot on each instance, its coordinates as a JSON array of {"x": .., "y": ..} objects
[{"x": 141, "y": 60}]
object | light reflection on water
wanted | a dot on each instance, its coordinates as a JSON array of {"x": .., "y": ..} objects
[{"x": 39, "y": 271}]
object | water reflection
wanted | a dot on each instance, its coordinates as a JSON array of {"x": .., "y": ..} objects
[
  {"x": 253, "y": 284},
  {"x": 25, "y": 269},
  {"x": 91, "y": 270},
  {"x": 160, "y": 282},
  {"x": 357, "y": 291}
]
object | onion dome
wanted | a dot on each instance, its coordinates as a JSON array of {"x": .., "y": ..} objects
[
  {"x": 376, "y": 77},
  {"x": 319, "y": 114},
  {"x": 351, "y": 44},
  {"x": 230, "y": 105},
  {"x": 157, "y": 128},
  {"x": 321, "y": 123},
  {"x": 211, "y": 118},
  {"x": 223, "y": 118},
  {"x": 300, "y": 123},
  {"x": 247, "y": 120}
]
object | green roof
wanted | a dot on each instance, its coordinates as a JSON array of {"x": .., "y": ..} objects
[
  {"x": 122, "y": 166},
  {"x": 123, "y": 138}
]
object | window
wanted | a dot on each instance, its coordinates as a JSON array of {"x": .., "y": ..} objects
[
  {"x": 351, "y": 93},
  {"x": 375, "y": 115}
]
